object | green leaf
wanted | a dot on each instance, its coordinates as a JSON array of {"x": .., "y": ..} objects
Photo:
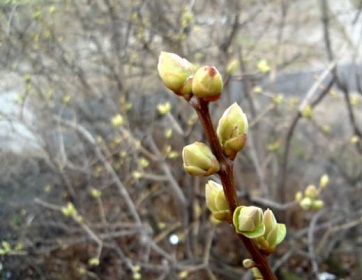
[
  {"x": 282, "y": 231},
  {"x": 259, "y": 231},
  {"x": 6, "y": 246},
  {"x": 263, "y": 66}
]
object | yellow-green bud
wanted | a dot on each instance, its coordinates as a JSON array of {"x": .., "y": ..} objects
[
  {"x": 199, "y": 160},
  {"x": 298, "y": 196},
  {"x": 164, "y": 108},
  {"x": 257, "y": 274},
  {"x": 307, "y": 112},
  {"x": 317, "y": 204},
  {"x": 324, "y": 181},
  {"x": 248, "y": 263},
  {"x": 311, "y": 192},
  {"x": 306, "y": 203},
  {"x": 93, "y": 262},
  {"x": 117, "y": 120},
  {"x": 257, "y": 89},
  {"x": 274, "y": 232},
  {"x": 355, "y": 139},
  {"x": 216, "y": 201},
  {"x": 248, "y": 220},
  {"x": 263, "y": 66},
  {"x": 232, "y": 67},
  {"x": 174, "y": 71},
  {"x": 69, "y": 210},
  {"x": 207, "y": 83},
  {"x": 232, "y": 129}
]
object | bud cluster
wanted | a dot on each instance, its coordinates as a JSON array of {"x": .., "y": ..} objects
[
  {"x": 71, "y": 211},
  {"x": 262, "y": 227},
  {"x": 310, "y": 198},
  {"x": 184, "y": 79},
  {"x": 274, "y": 232}
]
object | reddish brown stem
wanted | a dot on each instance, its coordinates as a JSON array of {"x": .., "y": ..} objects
[
  {"x": 227, "y": 179},
  {"x": 226, "y": 165}
]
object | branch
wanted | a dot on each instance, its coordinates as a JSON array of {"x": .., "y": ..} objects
[
  {"x": 351, "y": 116},
  {"x": 307, "y": 100},
  {"x": 227, "y": 178},
  {"x": 122, "y": 189}
]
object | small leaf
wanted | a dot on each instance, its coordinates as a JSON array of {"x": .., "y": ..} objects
[
  {"x": 6, "y": 246},
  {"x": 117, "y": 120},
  {"x": 282, "y": 231},
  {"x": 221, "y": 215},
  {"x": 263, "y": 66},
  {"x": 164, "y": 108},
  {"x": 232, "y": 67},
  {"x": 93, "y": 262},
  {"x": 259, "y": 231}
]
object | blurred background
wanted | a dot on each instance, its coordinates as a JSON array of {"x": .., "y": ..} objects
[{"x": 91, "y": 178}]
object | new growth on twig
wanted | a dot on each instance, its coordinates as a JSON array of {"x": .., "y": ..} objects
[{"x": 258, "y": 229}]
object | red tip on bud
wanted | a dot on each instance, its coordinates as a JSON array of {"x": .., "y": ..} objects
[
  {"x": 212, "y": 71},
  {"x": 207, "y": 83}
]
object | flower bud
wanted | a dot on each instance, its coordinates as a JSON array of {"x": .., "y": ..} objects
[
  {"x": 298, "y": 196},
  {"x": 324, "y": 181},
  {"x": 317, "y": 204},
  {"x": 248, "y": 263},
  {"x": 263, "y": 66},
  {"x": 274, "y": 233},
  {"x": 311, "y": 192},
  {"x": 199, "y": 160},
  {"x": 257, "y": 274},
  {"x": 307, "y": 112},
  {"x": 216, "y": 201},
  {"x": 164, "y": 108},
  {"x": 232, "y": 129},
  {"x": 174, "y": 71},
  {"x": 117, "y": 120},
  {"x": 232, "y": 67},
  {"x": 355, "y": 139},
  {"x": 69, "y": 210},
  {"x": 207, "y": 83},
  {"x": 306, "y": 203},
  {"x": 248, "y": 220}
]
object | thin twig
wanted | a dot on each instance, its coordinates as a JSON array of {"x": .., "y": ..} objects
[
  {"x": 352, "y": 119},
  {"x": 82, "y": 224},
  {"x": 166, "y": 170},
  {"x": 176, "y": 190},
  {"x": 307, "y": 100},
  {"x": 175, "y": 124},
  {"x": 122, "y": 189},
  {"x": 313, "y": 257}
]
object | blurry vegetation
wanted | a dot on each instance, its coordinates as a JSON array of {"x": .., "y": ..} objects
[{"x": 103, "y": 194}]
